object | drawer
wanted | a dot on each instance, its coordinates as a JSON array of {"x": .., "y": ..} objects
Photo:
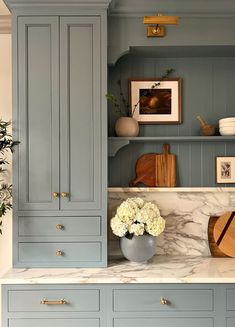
[
  {"x": 55, "y": 322},
  {"x": 49, "y": 252},
  {"x": 76, "y": 300},
  {"x": 230, "y": 299},
  {"x": 166, "y": 322},
  {"x": 150, "y": 300},
  {"x": 59, "y": 226}
]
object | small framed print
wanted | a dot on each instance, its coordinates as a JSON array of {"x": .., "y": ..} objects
[
  {"x": 225, "y": 170},
  {"x": 156, "y": 101}
]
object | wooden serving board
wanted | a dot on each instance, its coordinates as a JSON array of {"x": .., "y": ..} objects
[
  {"x": 224, "y": 233},
  {"x": 214, "y": 249},
  {"x": 145, "y": 170},
  {"x": 166, "y": 168}
]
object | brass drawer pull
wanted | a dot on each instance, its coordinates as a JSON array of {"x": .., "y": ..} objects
[
  {"x": 65, "y": 195},
  {"x": 163, "y": 301},
  {"x": 59, "y": 253},
  {"x": 59, "y": 227},
  {"x": 56, "y": 195},
  {"x": 56, "y": 302}
]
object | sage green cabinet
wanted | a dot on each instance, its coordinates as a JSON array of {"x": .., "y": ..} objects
[
  {"x": 59, "y": 113},
  {"x": 60, "y": 121},
  {"x": 38, "y": 113}
]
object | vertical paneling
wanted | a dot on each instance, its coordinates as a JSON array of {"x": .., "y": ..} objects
[
  {"x": 80, "y": 112},
  {"x": 207, "y": 89},
  {"x": 38, "y": 112}
]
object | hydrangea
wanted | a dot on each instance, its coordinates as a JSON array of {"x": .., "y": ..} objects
[{"x": 136, "y": 217}]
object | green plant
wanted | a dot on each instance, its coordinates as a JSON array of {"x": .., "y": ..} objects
[
  {"x": 6, "y": 144},
  {"x": 122, "y": 106}
]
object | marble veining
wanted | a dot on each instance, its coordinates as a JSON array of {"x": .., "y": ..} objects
[
  {"x": 186, "y": 213},
  {"x": 161, "y": 269}
]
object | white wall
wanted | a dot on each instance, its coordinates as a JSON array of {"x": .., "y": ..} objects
[{"x": 6, "y": 114}]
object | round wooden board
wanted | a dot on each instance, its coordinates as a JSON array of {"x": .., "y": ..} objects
[{"x": 224, "y": 233}]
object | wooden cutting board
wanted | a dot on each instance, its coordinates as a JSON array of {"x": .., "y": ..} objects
[
  {"x": 166, "y": 168},
  {"x": 224, "y": 233},
  {"x": 145, "y": 170},
  {"x": 214, "y": 249}
]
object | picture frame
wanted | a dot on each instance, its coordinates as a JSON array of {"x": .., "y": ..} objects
[
  {"x": 156, "y": 105},
  {"x": 225, "y": 170}
]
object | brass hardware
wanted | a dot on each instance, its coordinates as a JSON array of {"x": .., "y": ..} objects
[
  {"x": 156, "y": 31},
  {"x": 64, "y": 194},
  {"x": 163, "y": 301},
  {"x": 157, "y": 20},
  {"x": 55, "y": 194},
  {"x": 59, "y": 253},
  {"x": 56, "y": 302},
  {"x": 59, "y": 227}
]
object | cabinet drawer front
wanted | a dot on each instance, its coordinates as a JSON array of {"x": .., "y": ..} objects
[
  {"x": 149, "y": 300},
  {"x": 76, "y": 300},
  {"x": 55, "y": 322},
  {"x": 166, "y": 322},
  {"x": 49, "y": 252},
  {"x": 230, "y": 299},
  {"x": 59, "y": 226}
]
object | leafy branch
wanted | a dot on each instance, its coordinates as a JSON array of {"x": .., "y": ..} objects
[
  {"x": 6, "y": 145},
  {"x": 123, "y": 107}
]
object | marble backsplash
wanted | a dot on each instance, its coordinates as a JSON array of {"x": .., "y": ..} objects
[{"x": 186, "y": 213}]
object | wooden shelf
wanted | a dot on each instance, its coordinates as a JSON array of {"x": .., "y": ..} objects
[{"x": 116, "y": 143}]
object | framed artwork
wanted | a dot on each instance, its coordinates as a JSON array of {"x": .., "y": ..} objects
[
  {"x": 225, "y": 170},
  {"x": 156, "y": 101}
]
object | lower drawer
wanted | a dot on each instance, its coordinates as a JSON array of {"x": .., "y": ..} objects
[
  {"x": 78, "y": 300},
  {"x": 166, "y": 322},
  {"x": 54, "y": 322},
  {"x": 147, "y": 300},
  {"x": 59, "y": 252},
  {"x": 59, "y": 226}
]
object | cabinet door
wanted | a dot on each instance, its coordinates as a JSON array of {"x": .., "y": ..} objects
[
  {"x": 80, "y": 123},
  {"x": 38, "y": 87}
]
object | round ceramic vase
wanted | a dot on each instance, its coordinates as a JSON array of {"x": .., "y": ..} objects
[
  {"x": 139, "y": 248},
  {"x": 127, "y": 127}
]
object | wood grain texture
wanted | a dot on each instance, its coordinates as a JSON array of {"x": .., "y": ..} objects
[
  {"x": 214, "y": 249},
  {"x": 166, "y": 168},
  {"x": 224, "y": 233},
  {"x": 145, "y": 170}
]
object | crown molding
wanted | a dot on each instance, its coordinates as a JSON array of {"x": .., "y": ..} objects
[
  {"x": 5, "y": 24},
  {"x": 183, "y": 8},
  {"x": 16, "y": 4}
]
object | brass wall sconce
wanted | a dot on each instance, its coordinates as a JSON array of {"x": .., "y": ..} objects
[{"x": 157, "y": 29}]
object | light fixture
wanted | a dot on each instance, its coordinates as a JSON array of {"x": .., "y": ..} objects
[{"x": 157, "y": 22}]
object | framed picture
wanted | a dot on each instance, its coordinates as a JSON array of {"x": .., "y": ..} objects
[
  {"x": 225, "y": 170},
  {"x": 156, "y": 101}
]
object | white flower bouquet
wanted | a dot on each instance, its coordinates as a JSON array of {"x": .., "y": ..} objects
[{"x": 136, "y": 217}]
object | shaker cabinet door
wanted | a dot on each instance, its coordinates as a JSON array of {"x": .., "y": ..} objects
[
  {"x": 80, "y": 122},
  {"x": 38, "y": 112}
]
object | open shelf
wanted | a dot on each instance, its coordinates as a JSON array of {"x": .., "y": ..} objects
[{"x": 116, "y": 143}]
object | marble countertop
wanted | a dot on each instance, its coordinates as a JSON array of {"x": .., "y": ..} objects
[{"x": 161, "y": 269}]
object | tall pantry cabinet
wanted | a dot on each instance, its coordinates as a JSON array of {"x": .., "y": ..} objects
[{"x": 60, "y": 74}]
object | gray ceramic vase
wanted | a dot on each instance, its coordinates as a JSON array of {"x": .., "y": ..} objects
[{"x": 139, "y": 248}]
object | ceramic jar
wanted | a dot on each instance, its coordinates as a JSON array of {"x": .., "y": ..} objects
[
  {"x": 127, "y": 127},
  {"x": 139, "y": 248}
]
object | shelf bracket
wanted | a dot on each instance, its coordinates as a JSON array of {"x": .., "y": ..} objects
[{"x": 115, "y": 145}]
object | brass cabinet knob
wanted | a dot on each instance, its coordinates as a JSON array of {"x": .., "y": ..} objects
[
  {"x": 59, "y": 253},
  {"x": 64, "y": 194},
  {"x": 163, "y": 301},
  {"x": 59, "y": 227},
  {"x": 54, "y": 302},
  {"x": 55, "y": 194}
]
